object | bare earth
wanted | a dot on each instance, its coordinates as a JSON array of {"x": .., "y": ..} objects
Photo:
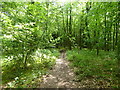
[{"x": 61, "y": 76}]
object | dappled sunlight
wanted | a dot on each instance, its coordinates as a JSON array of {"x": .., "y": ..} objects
[
  {"x": 39, "y": 63},
  {"x": 59, "y": 61},
  {"x": 60, "y": 44},
  {"x": 60, "y": 76},
  {"x": 41, "y": 57},
  {"x": 44, "y": 55}
]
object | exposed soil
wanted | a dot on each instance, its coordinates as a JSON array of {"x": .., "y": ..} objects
[{"x": 61, "y": 76}]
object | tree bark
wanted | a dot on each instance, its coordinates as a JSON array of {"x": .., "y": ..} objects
[{"x": 105, "y": 46}]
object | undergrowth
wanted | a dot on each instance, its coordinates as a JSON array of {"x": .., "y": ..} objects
[
  {"x": 87, "y": 65},
  {"x": 13, "y": 76}
]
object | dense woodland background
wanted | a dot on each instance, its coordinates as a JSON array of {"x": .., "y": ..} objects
[{"x": 33, "y": 33}]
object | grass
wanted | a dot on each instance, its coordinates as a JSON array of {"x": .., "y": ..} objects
[
  {"x": 13, "y": 76},
  {"x": 87, "y": 65}
]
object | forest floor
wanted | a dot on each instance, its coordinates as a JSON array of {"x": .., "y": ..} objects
[
  {"x": 64, "y": 75},
  {"x": 61, "y": 75}
]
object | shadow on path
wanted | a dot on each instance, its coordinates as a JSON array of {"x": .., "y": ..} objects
[{"x": 61, "y": 76}]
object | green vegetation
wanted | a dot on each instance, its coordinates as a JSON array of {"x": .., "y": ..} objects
[
  {"x": 15, "y": 76},
  {"x": 87, "y": 65},
  {"x": 34, "y": 33}
]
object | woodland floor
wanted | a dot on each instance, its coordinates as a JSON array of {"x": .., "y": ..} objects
[{"x": 61, "y": 75}]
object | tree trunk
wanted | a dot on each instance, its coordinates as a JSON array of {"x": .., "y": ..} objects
[
  {"x": 86, "y": 23},
  {"x": 70, "y": 26},
  {"x": 105, "y": 45}
]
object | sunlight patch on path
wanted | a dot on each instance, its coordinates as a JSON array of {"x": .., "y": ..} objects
[{"x": 61, "y": 76}]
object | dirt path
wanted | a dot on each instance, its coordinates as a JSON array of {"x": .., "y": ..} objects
[{"x": 61, "y": 76}]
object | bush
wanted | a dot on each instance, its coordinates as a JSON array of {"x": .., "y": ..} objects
[{"x": 14, "y": 77}]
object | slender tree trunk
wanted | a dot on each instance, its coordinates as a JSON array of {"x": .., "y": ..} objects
[
  {"x": 97, "y": 41},
  {"x": 86, "y": 23},
  {"x": 116, "y": 34},
  {"x": 114, "y": 38},
  {"x": 70, "y": 20},
  {"x": 110, "y": 36},
  {"x": 67, "y": 25},
  {"x": 105, "y": 42},
  {"x": 63, "y": 21},
  {"x": 70, "y": 26},
  {"x": 80, "y": 40},
  {"x": 94, "y": 37}
]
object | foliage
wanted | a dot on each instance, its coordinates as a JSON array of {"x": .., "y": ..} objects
[
  {"x": 15, "y": 77},
  {"x": 88, "y": 65},
  {"x": 29, "y": 27}
]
